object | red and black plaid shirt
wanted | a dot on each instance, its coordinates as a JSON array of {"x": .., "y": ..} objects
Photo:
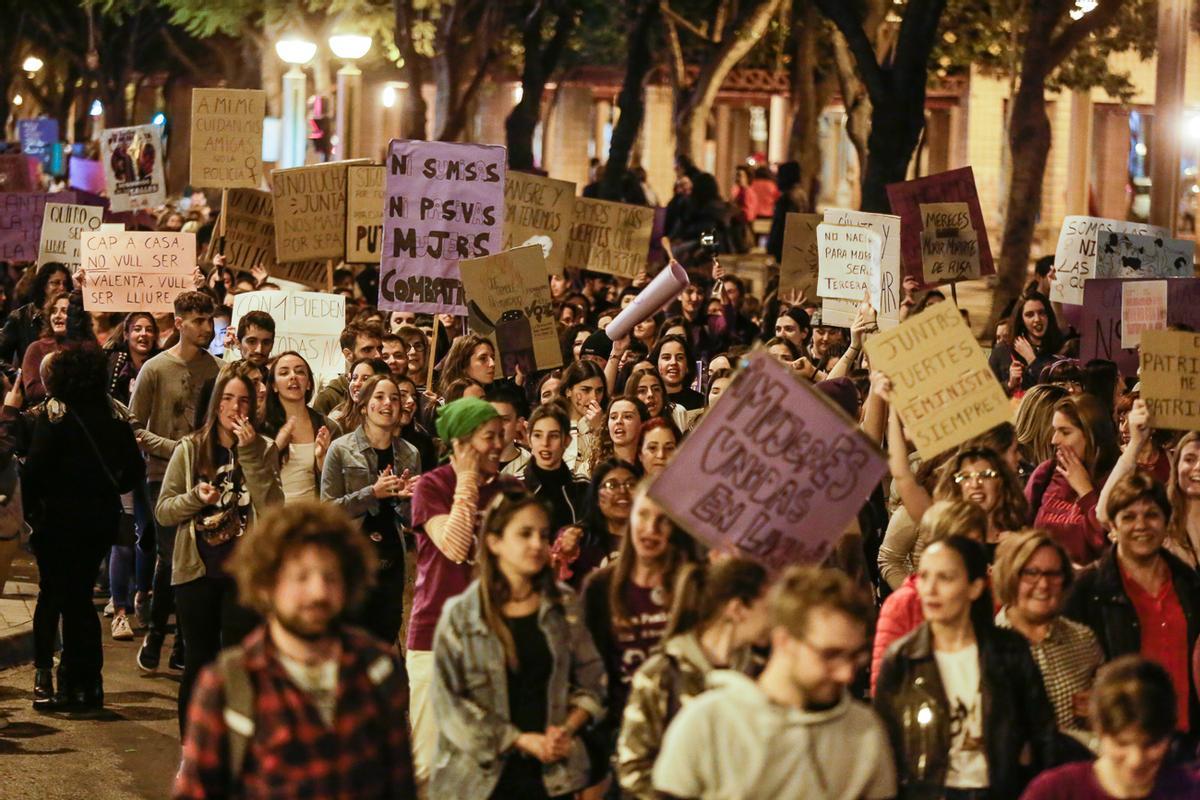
[{"x": 293, "y": 753}]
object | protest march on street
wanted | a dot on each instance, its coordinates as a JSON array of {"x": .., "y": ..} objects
[{"x": 436, "y": 456}]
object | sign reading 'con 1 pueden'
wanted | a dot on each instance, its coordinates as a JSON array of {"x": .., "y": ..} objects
[
  {"x": 773, "y": 472},
  {"x": 444, "y": 203}
]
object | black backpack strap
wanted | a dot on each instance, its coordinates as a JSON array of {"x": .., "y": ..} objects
[{"x": 239, "y": 707}]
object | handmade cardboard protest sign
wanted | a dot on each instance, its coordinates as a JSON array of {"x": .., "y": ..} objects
[
  {"x": 310, "y": 211},
  {"x": 1100, "y": 318},
  {"x": 539, "y": 211},
  {"x": 942, "y": 385},
  {"x": 949, "y": 245},
  {"x": 250, "y": 240},
  {"x": 364, "y": 213},
  {"x": 956, "y": 187},
  {"x": 21, "y": 222},
  {"x": 307, "y": 322},
  {"x": 15, "y": 175},
  {"x": 1143, "y": 308},
  {"x": 849, "y": 257},
  {"x": 227, "y": 138},
  {"x": 133, "y": 167},
  {"x": 1075, "y": 256},
  {"x": 62, "y": 226},
  {"x": 800, "y": 264},
  {"x": 1131, "y": 255},
  {"x": 445, "y": 203},
  {"x": 774, "y": 471},
  {"x": 38, "y": 137},
  {"x": 137, "y": 270},
  {"x": 613, "y": 238},
  {"x": 840, "y": 311},
  {"x": 1170, "y": 377},
  {"x": 508, "y": 297}
]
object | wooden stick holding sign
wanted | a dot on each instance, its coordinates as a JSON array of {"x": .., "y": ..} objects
[{"x": 431, "y": 355}]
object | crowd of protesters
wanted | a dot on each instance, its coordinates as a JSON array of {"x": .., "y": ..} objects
[{"x": 426, "y": 579}]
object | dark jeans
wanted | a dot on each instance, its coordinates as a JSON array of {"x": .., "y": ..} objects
[
  {"x": 210, "y": 619},
  {"x": 383, "y": 611},
  {"x": 66, "y": 574},
  {"x": 162, "y": 604}
]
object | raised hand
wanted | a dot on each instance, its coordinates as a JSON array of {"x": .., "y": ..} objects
[
  {"x": 464, "y": 459},
  {"x": 284, "y": 437},
  {"x": 387, "y": 485},
  {"x": 243, "y": 431}
]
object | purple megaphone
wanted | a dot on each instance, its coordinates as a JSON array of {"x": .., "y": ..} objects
[{"x": 666, "y": 285}]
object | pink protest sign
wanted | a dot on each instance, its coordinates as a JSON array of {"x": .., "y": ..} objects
[
  {"x": 774, "y": 471},
  {"x": 443, "y": 202},
  {"x": 87, "y": 175},
  {"x": 1100, "y": 317},
  {"x": 955, "y": 186}
]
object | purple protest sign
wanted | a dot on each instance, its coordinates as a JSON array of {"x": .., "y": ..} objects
[
  {"x": 86, "y": 174},
  {"x": 1100, "y": 326},
  {"x": 774, "y": 471},
  {"x": 21, "y": 221},
  {"x": 444, "y": 202}
]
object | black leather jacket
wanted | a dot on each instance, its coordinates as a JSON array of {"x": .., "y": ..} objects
[
  {"x": 1018, "y": 723},
  {"x": 1098, "y": 600}
]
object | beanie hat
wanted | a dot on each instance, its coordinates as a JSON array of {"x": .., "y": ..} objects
[
  {"x": 461, "y": 418},
  {"x": 799, "y": 316},
  {"x": 598, "y": 344}
]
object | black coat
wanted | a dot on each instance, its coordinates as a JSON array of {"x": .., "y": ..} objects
[
  {"x": 1098, "y": 600},
  {"x": 1016, "y": 713},
  {"x": 71, "y": 494},
  {"x": 21, "y": 329}
]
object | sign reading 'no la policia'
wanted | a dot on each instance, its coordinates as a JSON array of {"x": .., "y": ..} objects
[{"x": 444, "y": 203}]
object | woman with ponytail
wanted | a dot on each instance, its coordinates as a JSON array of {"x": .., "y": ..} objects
[{"x": 719, "y": 613}]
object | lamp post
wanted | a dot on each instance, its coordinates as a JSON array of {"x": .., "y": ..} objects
[
  {"x": 349, "y": 47},
  {"x": 294, "y": 145}
]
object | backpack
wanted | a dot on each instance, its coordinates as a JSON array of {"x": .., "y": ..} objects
[{"x": 239, "y": 699}]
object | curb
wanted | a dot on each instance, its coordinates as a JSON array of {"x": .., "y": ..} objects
[{"x": 16, "y": 640}]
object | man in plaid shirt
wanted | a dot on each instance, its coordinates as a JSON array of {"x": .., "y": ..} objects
[{"x": 306, "y": 707}]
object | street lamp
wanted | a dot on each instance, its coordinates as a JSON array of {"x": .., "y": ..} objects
[
  {"x": 294, "y": 146},
  {"x": 32, "y": 64},
  {"x": 349, "y": 47}
]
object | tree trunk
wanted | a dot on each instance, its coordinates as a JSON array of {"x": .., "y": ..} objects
[
  {"x": 895, "y": 130},
  {"x": 691, "y": 115},
  {"x": 414, "y": 71},
  {"x": 539, "y": 65},
  {"x": 631, "y": 101},
  {"x": 855, "y": 101},
  {"x": 804, "y": 145}
]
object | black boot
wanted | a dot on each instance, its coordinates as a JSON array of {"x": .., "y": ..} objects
[
  {"x": 89, "y": 697},
  {"x": 63, "y": 691},
  {"x": 43, "y": 689}
]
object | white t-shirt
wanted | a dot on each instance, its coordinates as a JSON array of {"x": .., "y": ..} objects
[
  {"x": 960, "y": 678},
  {"x": 319, "y": 682}
]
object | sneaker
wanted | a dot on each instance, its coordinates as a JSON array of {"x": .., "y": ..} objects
[
  {"x": 121, "y": 631},
  {"x": 149, "y": 653},
  {"x": 110, "y": 609},
  {"x": 175, "y": 661}
]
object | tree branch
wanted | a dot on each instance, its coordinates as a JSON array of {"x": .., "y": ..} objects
[
  {"x": 691, "y": 27},
  {"x": 843, "y": 15},
  {"x": 1070, "y": 37}
]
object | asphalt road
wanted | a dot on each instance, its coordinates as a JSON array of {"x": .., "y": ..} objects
[{"x": 130, "y": 751}]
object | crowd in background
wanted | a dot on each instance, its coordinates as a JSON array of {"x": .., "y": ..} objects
[{"x": 445, "y": 581}]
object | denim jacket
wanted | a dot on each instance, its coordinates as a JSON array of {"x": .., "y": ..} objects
[
  {"x": 470, "y": 696},
  {"x": 351, "y": 469}
]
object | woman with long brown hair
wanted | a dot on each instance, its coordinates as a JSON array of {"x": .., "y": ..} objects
[
  {"x": 627, "y": 604},
  {"x": 219, "y": 480},
  {"x": 302, "y": 434},
  {"x": 1064, "y": 492},
  {"x": 471, "y": 356},
  {"x": 516, "y": 674}
]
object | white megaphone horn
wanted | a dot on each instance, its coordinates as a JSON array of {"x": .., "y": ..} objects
[{"x": 665, "y": 286}]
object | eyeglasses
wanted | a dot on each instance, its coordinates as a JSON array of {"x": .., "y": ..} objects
[
  {"x": 983, "y": 475},
  {"x": 614, "y": 485},
  {"x": 855, "y": 659},
  {"x": 1033, "y": 575},
  {"x": 415, "y": 345}
]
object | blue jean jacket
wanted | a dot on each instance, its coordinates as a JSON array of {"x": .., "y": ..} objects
[
  {"x": 351, "y": 469},
  {"x": 470, "y": 696}
]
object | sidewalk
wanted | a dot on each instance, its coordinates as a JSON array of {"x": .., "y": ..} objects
[{"x": 16, "y": 612}]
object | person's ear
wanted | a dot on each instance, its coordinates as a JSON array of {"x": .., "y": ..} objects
[{"x": 976, "y": 589}]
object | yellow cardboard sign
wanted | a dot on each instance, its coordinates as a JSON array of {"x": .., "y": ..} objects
[{"x": 1170, "y": 378}]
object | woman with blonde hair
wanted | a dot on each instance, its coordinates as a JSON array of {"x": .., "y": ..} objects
[
  {"x": 1030, "y": 577},
  {"x": 1033, "y": 423},
  {"x": 516, "y": 674}
]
